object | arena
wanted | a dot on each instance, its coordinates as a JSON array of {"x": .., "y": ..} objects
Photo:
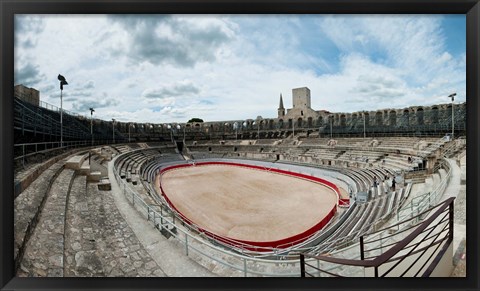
[
  {"x": 296, "y": 195},
  {"x": 249, "y": 204}
]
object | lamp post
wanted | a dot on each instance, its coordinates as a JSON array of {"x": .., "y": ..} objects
[
  {"x": 91, "y": 122},
  {"x": 331, "y": 121},
  {"x": 235, "y": 126},
  {"x": 113, "y": 129},
  {"x": 453, "y": 119},
  {"x": 63, "y": 81},
  {"x": 130, "y": 125},
  {"x": 225, "y": 126},
  {"x": 364, "y": 132},
  {"x": 171, "y": 131},
  {"x": 179, "y": 126},
  {"x": 258, "y": 128}
]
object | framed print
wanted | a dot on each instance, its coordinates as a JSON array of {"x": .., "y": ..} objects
[{"x": 213, "y": 144}]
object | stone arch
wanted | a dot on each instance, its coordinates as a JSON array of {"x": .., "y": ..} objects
[
  {"x": 320, "y": 121},
  {"x": 343, "y": 120},
  {"x": 434, "y": 112},
  {"x": 448, "y": 112},
  {"x": 331, "y": 120},
  {"x": 270, "y": 124},
  {"x": 378, "y": 118},
  {"x": 299, "y": 122},
  {"x": 392, "y": 118},
  {"x": 406, "y": 117},
  {"x": 280, "y": 123},
  {"x": 366, "y": 116},
  {"x": 310, "y": 122},
  {"x": 354, "y": 118},
  {"x": 420, "y": 115}
]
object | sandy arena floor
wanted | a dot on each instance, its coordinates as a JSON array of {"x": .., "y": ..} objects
[{"x": 247, "y": 204}]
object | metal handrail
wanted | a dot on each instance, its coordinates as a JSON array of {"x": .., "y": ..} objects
[{"x": 397, "y": 248}]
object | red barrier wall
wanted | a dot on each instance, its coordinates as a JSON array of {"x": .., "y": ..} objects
[{"x": 256, "y": 245}]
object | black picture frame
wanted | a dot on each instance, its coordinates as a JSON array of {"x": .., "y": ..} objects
[{"x": 471, "y": 8}]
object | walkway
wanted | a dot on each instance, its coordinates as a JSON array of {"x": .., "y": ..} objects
[{"x": 165, "y": 252}]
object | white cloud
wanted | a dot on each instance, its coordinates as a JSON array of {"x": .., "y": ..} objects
[{"x": 238, "y": 66}]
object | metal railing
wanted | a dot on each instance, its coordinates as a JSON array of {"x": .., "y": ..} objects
[
  {"x": 417, "y": 253},
  {"x": 31, "y": 149},
  {"x": 422, "y": 202}
]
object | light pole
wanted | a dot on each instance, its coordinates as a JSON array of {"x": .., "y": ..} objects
[
  {"x": 331, "y": 121},
  {"x": 113, "y": 130},
  {"x": 91, "y": 122},
  {"x": 244, "y": 125},
  {"x": 225, "y": 129},
  {"x": 364, "y": 132},
  {"x": 171, "y": 131},
  {"x": 63, "y": 81},
  {"x": 235, "y": 126},
  {"x": 179, "y": 126},
  {"x": 258, "y": 128},
  {"x": 130, "y": 125},
  {"x": 453, "y": 119}
]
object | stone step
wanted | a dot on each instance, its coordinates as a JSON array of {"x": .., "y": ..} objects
[
  {"x": 104, "y": 185},
  {"x": 28, "y": 205},
  {"x": 94, "y": 176},
  {"x": 44, "y": 251},
  {"x": 75, "y": 162},
  {"x": 81, "y": 256}
]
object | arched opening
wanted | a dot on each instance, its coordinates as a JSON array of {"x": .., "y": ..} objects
[
  {"x": 366, "y": 117},
  {"x": 393, "y": 118},
  {"x": 280, "y": 123},
  {"x": 320, "y": 121},
  {"x": 420, "y": 116},
  {"x": 378, "y": 118},
  {"x": 434, "y": 115},
  {"x": 310, "y": 122},
  {"x": 299, "y": 122},
  {"x": 406, "y": 118},
  {"x": 343, "y": 120}
]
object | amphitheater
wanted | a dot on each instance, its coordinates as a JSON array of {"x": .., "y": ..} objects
[{"x": 309, "y": 193}]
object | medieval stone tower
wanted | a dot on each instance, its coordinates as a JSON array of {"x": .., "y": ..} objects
[{"x": 301, "y": 98}]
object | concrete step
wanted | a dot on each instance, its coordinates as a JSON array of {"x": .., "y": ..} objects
[
  {"x": 75, "y": 162},
  {"x": 94, "y": 176},
  {"x": 104, "y": 185}
]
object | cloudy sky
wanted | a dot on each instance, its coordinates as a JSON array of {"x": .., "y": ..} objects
[{"x": 170, "y": 68}]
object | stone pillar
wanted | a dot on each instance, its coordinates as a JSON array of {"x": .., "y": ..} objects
[{"x": 430, "y": 164}]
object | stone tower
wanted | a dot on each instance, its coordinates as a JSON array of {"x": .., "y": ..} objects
[
  {"x": 281, "y": 109},
  {"x": 301, "y": 98}
]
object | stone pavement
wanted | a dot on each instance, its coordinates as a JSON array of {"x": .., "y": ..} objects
[
  {"x": 457, "y": 188},
  {"x": 167, "y": 253},
  {"x": 82, "y": 234},
  {"x": 101, "y": 243}
]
